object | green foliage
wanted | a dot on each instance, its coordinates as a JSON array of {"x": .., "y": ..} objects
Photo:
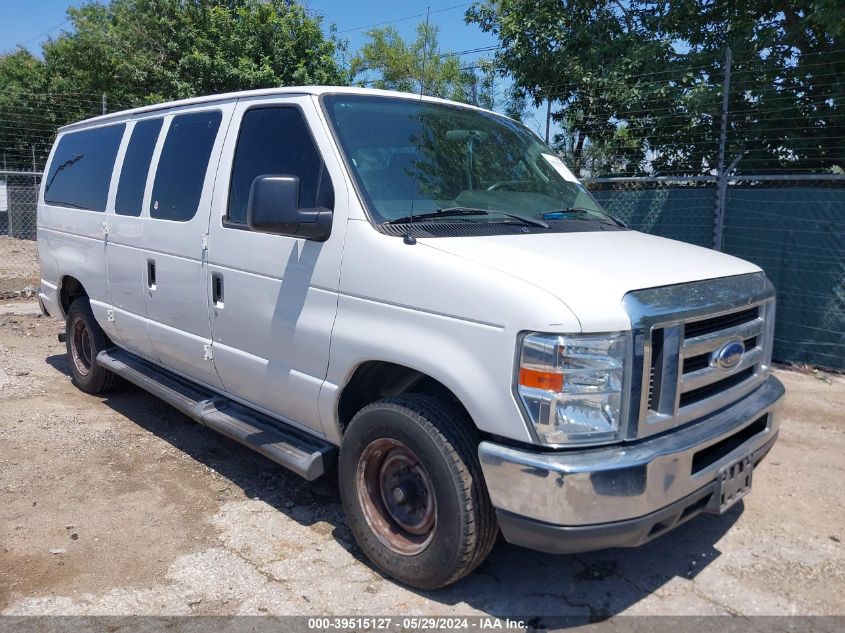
[
  {"x": 387, "y": 61},
  {"x": 787, "y": 97},
  {"x": 147, "y": 51},
  {"x": 636, "y": 86},
  {"x": 22, "y": 88}
]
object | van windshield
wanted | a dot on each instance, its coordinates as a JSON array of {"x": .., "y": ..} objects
[{"x": 414, "y": 158}]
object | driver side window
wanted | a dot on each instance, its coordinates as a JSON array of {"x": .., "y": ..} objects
[{"x": 276, "y": 140}]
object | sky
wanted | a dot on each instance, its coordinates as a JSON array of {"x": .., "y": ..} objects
[{"x": 29, "y": 23}]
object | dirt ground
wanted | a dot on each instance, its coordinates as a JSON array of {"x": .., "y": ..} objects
[
  {"x": 18, "y": 265},
  {"x": 121, "y": 505}
]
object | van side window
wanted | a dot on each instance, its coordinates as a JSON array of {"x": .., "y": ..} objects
[
  {"x": 275, "y": 140},
  {"x": 182, "y": 166},
  {"x": 136, "y": 166},
  {"x": 81, "y": 169}
]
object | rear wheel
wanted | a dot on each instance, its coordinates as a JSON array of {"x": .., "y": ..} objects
[
  {"x": 412, "y": 490},
  {"x": 85, "y": 339}
]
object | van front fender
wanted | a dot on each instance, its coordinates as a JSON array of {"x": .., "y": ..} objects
[{"x": 473, "y": 360}]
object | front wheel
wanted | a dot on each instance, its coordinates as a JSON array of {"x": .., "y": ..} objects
[{"x": 412, "y": 490}]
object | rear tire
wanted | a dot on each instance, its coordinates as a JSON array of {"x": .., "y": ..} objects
[
  {"x": 85, "y": 339},
  {"x": 413, "y": 493}
]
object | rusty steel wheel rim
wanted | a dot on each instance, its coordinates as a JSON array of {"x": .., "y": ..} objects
[
  {"x": 396, "y": 496},
  {"x": 80, "y": 347}
]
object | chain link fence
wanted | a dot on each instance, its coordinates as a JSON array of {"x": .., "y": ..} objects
[
  {"x": 18, "y": 249},
  {"x": 792, "y": 226}
]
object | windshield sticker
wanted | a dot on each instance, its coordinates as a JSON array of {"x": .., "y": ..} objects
[{"x": 560, "y": 168}]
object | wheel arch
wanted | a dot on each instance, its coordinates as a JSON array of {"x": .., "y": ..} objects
[
  {"x": 70, "y": 288},
  {"x": 374, "y": 380}
]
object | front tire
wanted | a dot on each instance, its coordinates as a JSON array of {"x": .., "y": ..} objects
[
  {"x": 412, "y": 490},
  {"x": 85, "y": 339}
]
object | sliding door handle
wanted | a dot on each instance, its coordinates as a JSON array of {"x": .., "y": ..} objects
[
  {"x": 217, "y": 290},
  {"x": 151, "y": 274}
]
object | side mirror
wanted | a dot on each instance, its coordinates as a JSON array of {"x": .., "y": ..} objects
[{"x": 273, "y": 207}]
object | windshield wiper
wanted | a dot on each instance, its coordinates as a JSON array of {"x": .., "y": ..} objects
[
  {"x": 461, "y": 211},
  {"x": 581, "y": 212}
]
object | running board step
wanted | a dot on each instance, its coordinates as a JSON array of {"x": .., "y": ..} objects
[{"x": 296, "y": 450}]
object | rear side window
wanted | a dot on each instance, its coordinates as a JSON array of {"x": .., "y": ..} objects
[
  {"x": 276, "y": 141},
  {"x": 81, "y": 169},
  {"x": 181, "y": 168},
  {"x": 136, "y": 166}
]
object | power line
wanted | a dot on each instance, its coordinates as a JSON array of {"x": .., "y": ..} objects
[
  {"x": 402, "y": 19},
  {"x": 469, "y": 51},
  {"x": 42, "y": 34}
]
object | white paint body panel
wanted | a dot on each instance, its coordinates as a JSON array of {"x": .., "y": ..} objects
[
  {"x": 299, "y": 317},
  {"x": 126, "y": 267},
  {"x": 273, "y": 329},
  {"x": 177, "y": 308},
  {"x": 591, "y": 272},
  {"x": 452, "y": 319},
  {"x": 72, "y": 242}
]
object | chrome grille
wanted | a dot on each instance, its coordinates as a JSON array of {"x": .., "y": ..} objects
[
  {"x": 681, "y": 379},
  {"x": 743, "y": 326}
]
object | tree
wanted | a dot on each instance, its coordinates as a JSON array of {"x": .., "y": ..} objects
[
  {"x": 580, "y": 55},
  {"x": 787, "y": 99},
  {"x": 387, "y": 61},
  {"x": 25, "y": 108},
  {"x": 637, "y": 85},
  {"x": 153, "y": 50},
  {"x": 147, "y": 51}
]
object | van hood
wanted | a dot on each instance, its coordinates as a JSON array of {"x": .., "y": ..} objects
[{"x": 591, "y": 272}]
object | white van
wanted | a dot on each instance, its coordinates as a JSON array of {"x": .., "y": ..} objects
[{"x": 420, "y": 295}]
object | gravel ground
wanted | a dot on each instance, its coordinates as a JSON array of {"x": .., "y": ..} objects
[{"x": 120, "y": 505}]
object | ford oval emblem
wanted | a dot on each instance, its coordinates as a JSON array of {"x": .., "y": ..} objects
[{"x": 729, "y": 355}]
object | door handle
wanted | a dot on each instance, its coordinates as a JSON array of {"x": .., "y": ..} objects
[
  {"x": 217, "y": 289},
  {"x": 151, "y": 274}
]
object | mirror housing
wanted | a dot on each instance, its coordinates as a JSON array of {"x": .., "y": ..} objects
[{"x": 273, "y": 207}]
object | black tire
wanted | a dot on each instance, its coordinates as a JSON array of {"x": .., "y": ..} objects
[
  {"x": 445, "y": 444},
  {"x": 85, "y": 339}
]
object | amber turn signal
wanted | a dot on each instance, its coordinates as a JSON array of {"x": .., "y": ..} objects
[{"x": 546, "y": 380}]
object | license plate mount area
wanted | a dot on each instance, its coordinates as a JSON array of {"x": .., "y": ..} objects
[{"x": 733, "y": 482}]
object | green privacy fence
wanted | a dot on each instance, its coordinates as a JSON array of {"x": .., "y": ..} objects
[
  {"x": 673, "y": 208},
  {"x": 792, "y": 227},
  {"x": 797, "y": 235}
]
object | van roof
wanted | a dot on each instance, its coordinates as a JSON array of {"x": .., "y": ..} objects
[{"x": 122, "y": 115}]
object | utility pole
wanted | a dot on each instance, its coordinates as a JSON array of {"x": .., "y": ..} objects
[
  {"x": 104, "y": 103},
  {"x": 722, "y": 182},
  {"x": 548, "y": 117}
]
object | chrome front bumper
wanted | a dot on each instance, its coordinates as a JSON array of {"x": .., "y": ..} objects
[{"x": 598, "y": 486}]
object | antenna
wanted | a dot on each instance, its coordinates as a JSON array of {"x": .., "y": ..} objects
[{"x": 410, "y": 239}]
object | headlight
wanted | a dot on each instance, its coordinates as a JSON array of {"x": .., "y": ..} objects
[{"x": 573, "y": 387}]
